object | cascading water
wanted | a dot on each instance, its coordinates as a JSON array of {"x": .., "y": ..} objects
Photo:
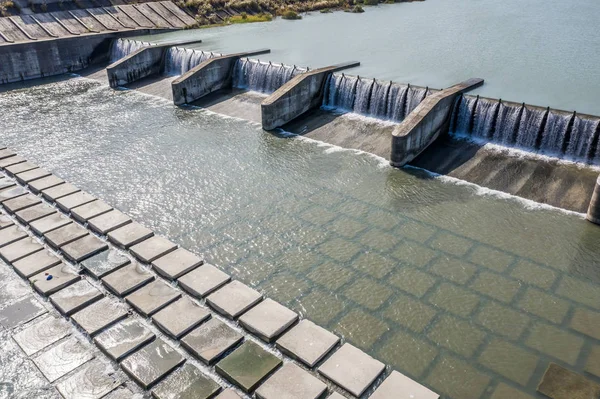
[
  {"x": 414, "y": 97},
  {"x": 121, "y": 48},
  {"x": 179, "y": 60},
  {"x": 263, "y": 77}
]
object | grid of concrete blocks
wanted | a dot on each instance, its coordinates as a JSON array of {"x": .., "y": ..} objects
[{"x": 196, "y": 305}]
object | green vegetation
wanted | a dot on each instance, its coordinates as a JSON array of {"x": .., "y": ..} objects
[
  {"x": 356, "y": 9},
  {"x": 244, "y": 18},
  {"x": 370, "y": 2},
  {"x": 290, "y": 14},
  {"x": 7, "y": 7}
]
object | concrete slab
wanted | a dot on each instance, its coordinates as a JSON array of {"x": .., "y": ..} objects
[
  {"x": 307, "y": 342},
  {"x": 336, "y": 395},
  {"x": 560, "y": 383},
  {"x": 85, "y": 212},
  {"x": 15, "y": 159},
  {"x": 36, "y": 263},
  {"x": 152, "y": 248},
  {"x": 127, "y": 279},
  {"x": 65, "y": 235},
  {"x": 234, "y": 299},
  {"x": 62, "y": 190},
  {"x": 152, "y": 297},
  {"x": 152, "y": 363},
  {"x": 6, "y": 183},
  {"x": 49, "y": 223},
  {"x": 92, "y": 381},
  {"x": 54, "y": 279},
  {"x": 352, "y": 369},
  {"x": 398, "y": 386},
  {"x": 62, "y": 359},
  {"x": 36, "y": 212},
  {"x": 75, "y": 297},
  {"x": 248, "y": 366},
  {"x": 42, "y": 334},
  {"x": 100, "y": 315},
  {"x": 121, "y": 393},
  {"x": 20, "y": 249},
  {"x": 176, "y": 263},
  {"x": 12, "y": 192},
  {"x": 268, "y": 319},
  {"x": 20, "y": 167},
  {"x": 129, "y": 235},
  {"x": 11, "y": 234},
  {"x": 124, "y": 338},
  {"x": 228, "y": 394},
  {"x": 187, "y": 382},
  {"x": 30, "y": 175},
  {"x": 211, "y": 340},
  {"x": 84, "y": 248},
  {"x": 108, "y": 221},
  {"x": 71, "y": 201},
  {"x": 291, "y": 382},
  {"x": 5, "y": 153},
  {"x": 22, "y": 202},
  {"x": 38, "y": 185},
  {"x": 203, "y": 281},
  {"x": 105, "y": 262},
  {"x": 21, "y": 312},
  {"x": 5, "y": 221},
  {"x": 180, "y": 317}
]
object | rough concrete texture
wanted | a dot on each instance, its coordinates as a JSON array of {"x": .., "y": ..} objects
[
  {"x": 108, "y": 222},
  {"x": 127, "y": 279},
  {"x": 20, "y": 249},
  {"x": 291, "y": 382},
  {"x": 85, "y": 212},
  {"x": 65, "y": 235},
  {"x": 105, "y": 262},
  {"x": 92, "y": 381},
  {"x": 187, "y": 382},
  {"x": 124, "y": 338},
  {"x": 49, "y": 223},
  {"x": 209, "y": 341},
  {"x": 153, "y": 297},
  {"x": 593, "y": 213},
  {"x": 42, "y": 334},
  {"x": 30, "y": 175},
  {"x": 36, "y": 212},
  {"x": 129, "y": 235},
  {"x": 307, "y": 342},
  {"x": 100, "y": 315},
  {"x": 20, "y": 167},
  {"x": 47, "y": 182},
  {"x": 233, "y": 299},
  {"x": 152, "y": 363},
  {"x": 142, "y": 63},
  {"x": 152, "y": 248},
  {"x": 11, "y": 234},
  {"x": 180, "y": 317},
  {"x": 22, "y": 202},
  {"x": 56, "y": 192},
  {"x": 11, "y": 192},
  {"x": 84, "y": 248},
  {"x": 62, "y": 359},
  {"x": 54, "y": 279},
  {"x": 71, "y": 201},
  {"x": 5, "y": 221},
  {"x": 176, "y": 263},
  {"x": 12, "y": 160},
  {"x": 20, "y": 312},
  {"x": 398, "y": 386},
  {"x": 268, "y": 319},
  {"x": 35, "y": 263},
  {"x": 6, "y": 182},
  {"x": 560, "y": 383},
  {"x": 203, "y": 280},
  {"x": 75, "y": 297}
]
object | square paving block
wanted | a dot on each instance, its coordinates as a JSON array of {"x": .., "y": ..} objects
[
  {"x": 307, "y": 342},
  {"x": 36, "y": 212},
  {"x": 124, "y": 338},
  {"x": 128, "y": 279},
  {"x": 105, "y": 262},
  {"x": 5, "y": 221},
  {"x": 108, "y": 221},
  {"x": 75, "y": 297},
  {"x": 186, "y": 383},
  {"x": 121, "y": 393},
  {"x": 352, "y": 369},
  {"x": 54, "y": 279},
  {"x": 100, "y": 315},
  {"x": 180, "y": 317},
  {"x": 5, "y": 153},
  {"x": 22, "y": 202},
  {"x": 228, "y": 394},
  {"x": 12, "y": 192},
  {"x": 84, "y": 248},
  {"x": 291, "y": 382},
  {"x": 74, "y": 200},
  {"x": 60, "y": 191},
  {"x": 65, "y": 235},
  {"x": 30, "y": 175},
  {"x": 20, "y": 167},
  {"x": 152, "y": 363},
  {"x": 268, "y": 319},
  {"x": 49, "y": 223},
  {"x": 11, "y": 234},
  {"x": 153, "y": 297},
  {"x": 21, "y": 312},
  {"x": 63, "y": 358},
  {"x": 129, "y": 235},
  {"x": 176, "y": 263},
  {"x": 209, "y": 341},
  {"x": 398, "y": 386},
  {"x": 560, "y": 383},
  {"x": 36, "y": 263},
  {"x": 12, "y": 160},
  {"x": 20, "y": 249},
  {"x": 203, "y": 281},
  {"x": 6, "y": 183},
  {"x": 234, "y": 299},
  {"x": 152, "y": 248},
  {"x": 42, "y": 334},
  {"x": 248, "y": 366},
  {"x": 38, "y": 185},
  {"x": 90, "y": 210},
  {"x": 92, "y": 381}
]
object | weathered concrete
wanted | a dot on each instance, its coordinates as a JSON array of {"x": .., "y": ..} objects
[
  {"x": 211, "y": 340},
  {"x": 268, "y": 319},
  {"x": 129, "y": 235},
  {"x": 152, "y": 298},
  {"x": 204, "y": 280},
  {"x": 75, "y": 297},
  {"x": 560, "y": 383},
  {"x": 65, "y": 235},
  {"x": 176, "y": 263},
  {"x": 211, "y": 75},
  {"x": 95, "y": 208},
  {"x": 100, "y": 315},
  {"x": 187, "y": 382},
  {"x": 84, "y": 248},
  {"x": 20, "y": 167},
  {"x": 152, "y": 248},
  {"x": 20, "y": 249},
  {"x": 62, "y": 359},
  {"x": 54, "y": 279},
  {"x": 36, "y": 263},
  {"x": 30, "y": 175},
  {"x": 124, "y": 339},
  {"x": 290, "y": 382},
  {"x": 21, "y": 312},
  {"x": 234, "y": 299},
  {"x": 151, "y": 363},
  {"x": 108, "y": 222},
  {"x": 74, "y": 200},
  {"x": 11, "y": 234},
  {"x": 426, "y": 123},
  {"x": 105, "y": 262},
  {"x": 180, "y": 317},
  {"x": 92, "y": 381},
  {"x": 42, "y": 334},
  {"x": 127, "y": 279},
  {"x": 301, "y": 94},
  {"x": 41, "y": 184},
  {"x": 593, "y": 214},
  {"x": 307, "y": 342},
  {"x": 398, "y": 386},
  {"x": 62, "y": 190},
  {"x": 22, "y": 202}
]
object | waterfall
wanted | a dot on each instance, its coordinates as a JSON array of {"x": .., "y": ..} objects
[
  {"x": 395, "y": 103},
  {"x": 414, "y": 97},
  {"x": 582, "y": 143},
  {"x": 529, "y": 128},
  {"x": 121, "y": 48},
  {"x": 263, "y": 77},
  {"x": 179, "y": 60},
  {"x": 507, "y": 123},
  {"x": 379, "y": 99},
  {"x": 483, "y": 122},
  {"x": 341, "y": 92},
  {"x": 465, "y": 109}
]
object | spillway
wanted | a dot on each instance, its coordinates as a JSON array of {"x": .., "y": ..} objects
[
  {"x": 263, "y": 77},
  {"x": 121, "y": 48},
  {"x": 179, "y": 60}
]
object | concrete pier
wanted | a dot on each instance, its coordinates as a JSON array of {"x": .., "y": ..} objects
[
  {"x": 593, "y": 214},
  {"x": 211, "y": 75},
  {"x": 301, "y": 94}
]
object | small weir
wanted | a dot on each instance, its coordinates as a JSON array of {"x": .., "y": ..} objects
[
  {"x": 179, "y": 60},
  {"x": 264, "y": 77},
  {"x": 121, "y": 48}
]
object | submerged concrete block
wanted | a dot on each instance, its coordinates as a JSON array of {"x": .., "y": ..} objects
[
  {"x": 560, "y": 383},
  {"x": 42, "y": 334},
  {"x": 152, "y": 363},
  {"x": 593, "y": 214},
  {"x": 21, "y": 312},
  {"x": 75, "y": 297},
  {"x": 100, "y": 315},
  {"x": 124, "y": 338},
  {"x": 92, "y": 381},
  {"x": 211, "y": 340},
  {"x": 187, "y": 382},
  {"x": 105, "y": 262},
  {"x": 62, "y": 359}
]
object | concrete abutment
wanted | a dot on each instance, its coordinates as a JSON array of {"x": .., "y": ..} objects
[{"x": 593, "y": 214}]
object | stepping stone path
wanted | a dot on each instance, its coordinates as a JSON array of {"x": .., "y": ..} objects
[
  {"x": 180, "y": 317},
  {"x": 211, "y": 340},
  {"x": 152, "y": 248},
  {"x": 42, "y": 334},
  {"x": 104, "y": 263},
  {"x": 124, "y": 339},
  {"x": 268, "y": 319},
  {"x": 203, "y": 280},
  {"x": 85, "y": 212},
  {"x": 234, "y": 299},
  {"x": 49, "y": 223},
  {"x": 187, "y": 382},
  {"x": 35, "y": 263},
  {"x": 54, "y": 193},
  {"x": 176, "y": 263},
  {"x": 26, "y": 177},
  {"x": 108, "y": 222},
  {"x": 128, "y": 279},
  {"x": 100, "y": 315},
  {"x": 401, "y": 387},
  {"x": 54, "y": 279},
  {"x": 75, "y": 297},
  {"x": 22, "y": 202},
  {"x": 11, "y": 234},
  {"x": 153, "y": 297},
  {"x": 307, "y": 343},
  {"x": 129, "y": 235},
  {"x": 84, "y": 248},
  {"x": 33, "y": 213},
  {"x": 93, "y": 381},
  {"x": 20, "y": 249},
  {"x": 62, "y": 359},
  {"x": 71, "y": 201},
  {"x": 152, "y": 363},
  {"x": 65, "y": 235},
  {"x": 291, "y": 382},
  {"x": 41, "y": 184}
]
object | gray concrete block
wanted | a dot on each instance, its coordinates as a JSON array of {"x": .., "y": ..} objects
[
  {"x": 152, "y": 297},
  {"x": 176, "y": 263},
  {"x": 42, "y": 334},
  {"x": 203, "y": 280},
  {"x": 65, "y": 235},
  {"x": 54, "y": 279},
  {"x": 30, "y": 175},
  {"x": 84, "y": 248},
  {"x": 187, "y": 382},
  {"x": 11, "y": 234},
  {"x": 291, "y": 382},
  {"x": 180, "y": 317},
  {"x": 92, "y": 381},
  {"x": 20, "y": 249},
  {"x": 105, "y": 262},
  {"x": 127, "y": 279},
  {"x": 6, "y": 153},
  {"x": 152, "y": 363},
  {"x": 100, "y": 315},
  {"x": 124, "y": 338},
  {"x": 74, "y": 200},
  {"x": 398, "y": 386},
  {"x": 6, "y": 183},
  {"x": 49, "y": 223},
  {"x": 108, "y": 222},
  {"x": 92, "y": 209},
  {"x": 352, "y": 369},
  {"x": 62, "y": 359},
  {"x": 21, "y": 202},
  {"x": 34, "y": 213},
  {"x": 60, "y": 191},
  {"x": 152, "y": 248},
  {"x": 211, "y": 340},
  {"x": 21, "y": 312},
  {"x": 15, "y": 159},
  {"x": 36, "y": 263},
  {"x": 5, "y": 221},
  {"x": 228, "y": 394},
  {"x": 129, "y": 235},
  {"x": 268, "y": 319},
  {"x": 75, "y": 297},
  {"x": 307, "y": 342},
  {"x": 121, "y": 393},
  {"x": 234, "y": 299},
  {"x": 20, "y": 167},
  {"x": 12, "y": 192},
  {"x": 38, "y": 185},
  {"x": 248, "y": 366}
]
